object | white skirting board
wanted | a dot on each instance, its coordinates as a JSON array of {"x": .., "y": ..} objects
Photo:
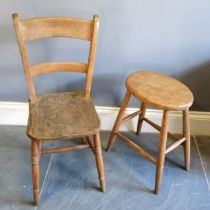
[{"x": 14, "y": 113}]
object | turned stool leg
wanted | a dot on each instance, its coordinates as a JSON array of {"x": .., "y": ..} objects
[
  {"x": 161, "y": 150},
  {"x": 141, "y": 116},
  {"x": 99, "y": 161},
  {"x": 118, "y": 120},
  {"x": 35, "y": 156},
  {"x": 186, "y": 132}
]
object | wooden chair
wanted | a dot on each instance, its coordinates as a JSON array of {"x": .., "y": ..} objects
[
  {"x": 162, "y": 92},
  {"x": 65, "y": 115}
]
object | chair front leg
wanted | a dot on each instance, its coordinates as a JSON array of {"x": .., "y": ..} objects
[
  {"x": 35, "y": 157},
  {"x": 90, "y": 142},
  {"x": 161, "y": 150},
  {"x": 99, "y": 161}
]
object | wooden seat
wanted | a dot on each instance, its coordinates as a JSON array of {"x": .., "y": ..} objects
[
  {"x": 160, "y": 91},
  {"x": 62, "y": 115},
  {"x": 65, "y": 115}
]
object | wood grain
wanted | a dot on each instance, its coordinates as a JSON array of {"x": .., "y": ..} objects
[
  {"x": 39, "y": 28},
  {"x": 186, "y": 132},
  {"x": 136, "y": 147},
  {"x": 141, "y": 118},
  {"x": 164, "y": 92},
  {"x": 62, "y": 115},
  {"x": 26, "y": 66},
  {"x": 118, "y": 121},
  {"x": 99, "y": 161},
  {"x": 175, "y": 145},
  {"x": 161, "y": 150},
  {"x": 65, "y": 149},
  {"x": 159, "y": 90},
  {"x": 57, "y": 67},
  {"x": 35, "y": 157},
  {"x": 131, "y": 116},
  {"x": 92, "y": 54},
  {"x": 157, "y": 127}
]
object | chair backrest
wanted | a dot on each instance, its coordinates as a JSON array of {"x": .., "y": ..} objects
[{"x": 39, "y": 28}]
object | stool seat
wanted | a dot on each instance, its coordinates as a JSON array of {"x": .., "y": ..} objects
[{"x": 159, "y": 90}]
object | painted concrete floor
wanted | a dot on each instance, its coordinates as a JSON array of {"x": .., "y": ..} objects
[{"x": 69, "y": 180}]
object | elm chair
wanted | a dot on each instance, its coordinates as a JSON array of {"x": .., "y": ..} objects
[
  {"x": 162, "y": 92},
  {"x": 66, "y": 115}
]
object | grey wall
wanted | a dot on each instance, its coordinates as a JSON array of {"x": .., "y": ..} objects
[{"x": 169, "y": 36}]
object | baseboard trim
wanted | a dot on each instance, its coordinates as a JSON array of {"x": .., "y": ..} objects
[{"x": 15, "y": 113}]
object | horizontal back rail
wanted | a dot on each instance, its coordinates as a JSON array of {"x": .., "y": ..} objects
[
  {"x": 58, "y": 67},
  {"x": 38, "y": 28}
]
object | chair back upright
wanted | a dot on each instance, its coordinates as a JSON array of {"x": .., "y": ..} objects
[{"x": 47, "y": 27}]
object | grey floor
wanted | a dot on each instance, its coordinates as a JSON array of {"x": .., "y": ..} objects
[{"x": 69, "y": 180}]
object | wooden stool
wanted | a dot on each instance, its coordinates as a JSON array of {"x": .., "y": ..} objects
[{"x": 162, "y": 92}]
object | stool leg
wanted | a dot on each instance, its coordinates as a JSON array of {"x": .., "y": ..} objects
[
  {"x": 141, "y": 116},
  {"x": 99, "y": 161},
  {"x": 161, "y": 150},
  {"x": 186, "y": 132},
  {"x": 118, "y": 120},
  {"x": 35, "y": 157}
]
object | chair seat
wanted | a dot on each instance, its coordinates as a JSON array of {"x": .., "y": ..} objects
[
  {"x": 62, "y": 115},
  {"x": 159, "y": 90}
]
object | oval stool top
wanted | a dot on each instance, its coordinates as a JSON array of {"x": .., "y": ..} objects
[{"x": 159, "y": 90}]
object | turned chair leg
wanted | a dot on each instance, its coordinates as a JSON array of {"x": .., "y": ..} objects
[
  {"x": 99, "y": 161},
  {"x": 40, "y": 143},
  {"x": 141, "y": 116},
  {"x": 35, "y": 157},
  {"x": 186, "y": 133},
  {"x": 161, "y": 150},
  {"x": 84, "y": 140},
  {"x": 90, "y": 142},
  {"x": 118, "y": 120}
]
